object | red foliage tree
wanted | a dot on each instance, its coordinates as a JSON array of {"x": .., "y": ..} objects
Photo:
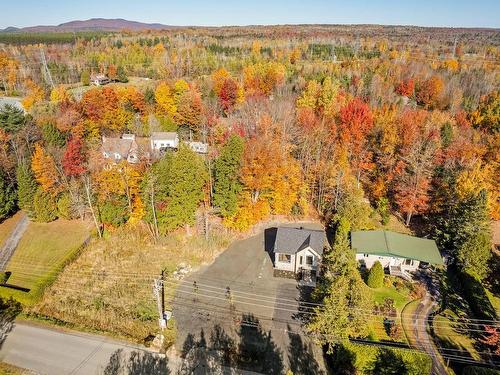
[
  {"x": 73, "y": 161},
  {"x": 356, "y": 121},
  {"x": 406, "y": 87},
  {"x": 92, "y": 104},
  {"x": 429, "y": 92},
  {"x": 492, "y": 338},
  {"x": 228, "y": 94}
]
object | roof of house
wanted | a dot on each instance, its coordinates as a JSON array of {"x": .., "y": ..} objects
[
  {"x": 293, "y": 240},
  {"x": 98, "y": 76},
  {"x": 164, "y": 135},
  {"x": 387, "y": 243},
  {"x": 13, "y": 101},
  {"x": 117, "y": 145}
]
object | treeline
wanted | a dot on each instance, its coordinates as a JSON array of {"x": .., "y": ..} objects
[{"x": 20, "y": 38}]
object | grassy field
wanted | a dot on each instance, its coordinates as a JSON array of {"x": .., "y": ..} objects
[
  {"x": 41, "y": 253},
  {"x": 448, "y": 337},
  {"x": 400, "y": 297},
  {"x": 495, "y": 301},
  {"x": 6, "y": 369},
  {"x": 108, "y": 288},
  {"x": 407, "y": 320},
  {"x": 8, "y": 225}
]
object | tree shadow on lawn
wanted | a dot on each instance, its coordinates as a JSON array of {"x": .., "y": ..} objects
[
  {"x": 136, "y": 362},
  {"x": 465, "y": 298},
  {"x": 253, "y": 350}
]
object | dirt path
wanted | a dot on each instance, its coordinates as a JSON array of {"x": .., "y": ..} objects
[
  {"x": 11, "y": 242},
  {"x": 423, "y": 339}
]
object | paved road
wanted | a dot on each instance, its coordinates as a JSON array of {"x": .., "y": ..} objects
[
  {"x": 48, "y": 351},
  {"x": 258, "y": 320},
  {"x": 11, "y": 242}
]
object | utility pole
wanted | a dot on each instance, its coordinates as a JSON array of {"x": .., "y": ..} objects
[
  {"x": 46, "y": 68},
  {"x": 158, "y": 293}
]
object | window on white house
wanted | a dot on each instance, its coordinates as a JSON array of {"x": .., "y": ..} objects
[
  {"x": 300, "y": 260},
  {"x": 408, "y": 262},
  {"x": 365, "y": 255},
  {"x": 285, "y": 258},
  {"x": 309, "y": 260}
]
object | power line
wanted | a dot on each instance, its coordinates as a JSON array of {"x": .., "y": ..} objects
[{"x": 293, "y": 303}]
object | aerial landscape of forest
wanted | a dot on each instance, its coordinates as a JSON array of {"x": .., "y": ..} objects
[{"x": 283, "y": 199}]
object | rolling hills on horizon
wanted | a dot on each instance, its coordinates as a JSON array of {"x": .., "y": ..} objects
[{"x": 93, "y": 24}]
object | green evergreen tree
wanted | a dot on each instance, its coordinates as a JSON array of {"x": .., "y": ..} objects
[
  {"x": 226, "y": 171},
  {"x": 460, "y": 220},
  {"x": 343, "y": 293},
  {"x": 121, "y": 75},
  {"x": 53, "y": 136},
  {"x": 85, "y": 78},
  {"x": 149, "y": 96},
  {"x": 64, "y": 208},
  {"x": 383, "y": 208},
  {"x": 114, "y": 212},
  {"x": 174, "y": 187},
  {"x": 388, "y": 363},
  {"x": 375, "y": 277},
  {"x": 474, "y": 254},
  {"x": 12, "y": 119},
  {"x": 26, "y": 188},
  {"x": 44, "y": 206},
  {"x": 8, "y": 197}
]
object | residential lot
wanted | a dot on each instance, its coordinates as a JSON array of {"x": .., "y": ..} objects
[{"x": 256, "y": 324}]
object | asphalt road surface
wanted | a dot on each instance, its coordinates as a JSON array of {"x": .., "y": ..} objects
[{"x": 48, "y": 351}]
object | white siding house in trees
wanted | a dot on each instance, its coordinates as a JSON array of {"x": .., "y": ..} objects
[
  {"x": 161, "y": 141},
  {"x": 298, "y": 250},
  {"x": 399, "y": 253}
]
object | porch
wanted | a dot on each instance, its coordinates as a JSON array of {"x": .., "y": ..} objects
[{"x": 396, "y": 270}]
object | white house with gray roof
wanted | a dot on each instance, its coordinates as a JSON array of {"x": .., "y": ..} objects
[{"x": 298, "y": 249}]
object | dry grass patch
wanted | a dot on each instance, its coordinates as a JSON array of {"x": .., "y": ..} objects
[{"x": 109, "y": 287}]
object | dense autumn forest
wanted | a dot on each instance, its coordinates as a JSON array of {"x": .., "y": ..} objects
[{"x": 344, "y": 123}]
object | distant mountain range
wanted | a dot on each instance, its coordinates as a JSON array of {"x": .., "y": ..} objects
[{"x": 93, "y": 24}]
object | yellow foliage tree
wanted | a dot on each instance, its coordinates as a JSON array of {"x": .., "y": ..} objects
[
  {"x": 165, "y": 100},
  {"x": 45, "y": 171},
  {"x": 35, "y": 95},
  {"x": 58, "y": 94},
  {"x": 218, "y": 78}
]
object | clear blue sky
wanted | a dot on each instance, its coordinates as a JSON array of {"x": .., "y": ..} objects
[{"x": 467, "y": 13}]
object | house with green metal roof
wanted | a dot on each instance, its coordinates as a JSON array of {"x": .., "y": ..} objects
[{"x": 399, "y": 253}]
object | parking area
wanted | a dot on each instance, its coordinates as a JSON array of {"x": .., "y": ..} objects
[{"x": 257, "y": 313}]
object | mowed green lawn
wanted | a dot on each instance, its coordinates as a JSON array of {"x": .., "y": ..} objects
[
  {"x": 377, "y": 322},
  {"x": 42, "y": 252}
]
